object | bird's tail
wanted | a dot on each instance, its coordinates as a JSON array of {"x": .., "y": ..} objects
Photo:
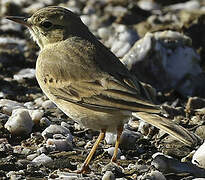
[{"x": 170, "y": 127}]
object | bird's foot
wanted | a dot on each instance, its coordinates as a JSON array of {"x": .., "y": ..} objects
[{"x": 83, "y": 170}]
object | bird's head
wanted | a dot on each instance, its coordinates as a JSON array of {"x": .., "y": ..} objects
[{"x": 52, "y": 24}]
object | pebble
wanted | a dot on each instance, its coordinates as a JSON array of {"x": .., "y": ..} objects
[
  {"x": 110, "y": 138},
  {"x": 148, "y": 5},
  {"x": 154, "y": 175},
  {"x": 200, "y": 131},
  {"x": 104, "y": 33},
  {"x": 195, "y": 103},
  {"x": 42, "y": 159},
  {"x": 39, "y": 101},
  {"x": 65, "y": 125},
  {"x": 8, "y": 105},
  {"x": 61, "y": 142},
  {"x": 15, "y": 175},
  {"x": 167, "y": 165},
  {"x": 199, "y": 156},
  {"x": 74, "y": 176},
  {"x": 29, "y": 105},
  {"x": 144, "y": 128},
  {"x": 55, "y": 129},
  {"x": 127, "y": 139},
  {"x": 114, "y": 168},
  {"x": 48, "y": 104},
  {"x": 20, "y": 122},
  {"x": 9, "y": 25},
  {"x": 5, "y": 147},
  {"x": 23, "y": 74},
  {"x": 169, "y": 49},
  {"x": 34, "y": 7},
  {"x": 189, "y": 5},
  {"x": 91, "y": 21},
  {"x": 111, "y": 152},
  {"x": 121, "y": 42},
  {"x": 45, "y": 149},
  {"x": 21, "y": 150},
  {"x": 32, "y": 156},
  {"x": 36, "y": 115},
  {"x": 108, "y": 176},
  {"x": 44, "y": 122}
]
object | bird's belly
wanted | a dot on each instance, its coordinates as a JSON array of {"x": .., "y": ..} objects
[{"x": 94, "y": 119}]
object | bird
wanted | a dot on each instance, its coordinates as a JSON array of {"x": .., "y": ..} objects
[{"x": 88, "y": 82}]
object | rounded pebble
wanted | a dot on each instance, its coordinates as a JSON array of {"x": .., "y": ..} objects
[
  {"x": 36, "y": 115},
  {"x": 48, "y": 104},
  {"x": 199, "y": 156},
  {"x": 111, "y": 152},
  {"x": 23, "y": 74},
  {"x": 55, "y": 129},
  {"x": 108, "y": 176},
  {"x": 42, "y": 159},
  {"x": 20, "y": 122},
  {"x": 62, "y": 144}
]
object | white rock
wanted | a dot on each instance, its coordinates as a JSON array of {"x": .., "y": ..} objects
[
  {"x": 78, "y": 127},
  {"x": 174, "y": 62},
  {"x": 55, "y": 129},
  {"x": 39, "y": 101},
  {"x": 118, "y": 10},
  {"x": 127, "y": 139},
  {"x": 108, "y": 176},
  {"x": 155, "y": 175},
  {"x": 65, "y": 125},
  {"x": 42, "y": 159},
  {"x": 169, "y": 165},
  {"x": 20, "y": 122},
  {"x": 111, "y": 152},
  {"x": 110, "y": 138},
  {"x": 104, "y": 33},
  {"x": 199, "y": 156},
  {"x": 13, "y": 175},
  {"x": 189, "y": 5},
  {"x": 62, "y": 144},
  {"x": 48, "y": 104},
  {"x": 36, "y": 115},
  {"x": 68, "y": 175},
  {"x": 32, "y": 156},
  {"x": 29, "y": 105},
  {"x": 123, "y": 49},
  {"x": 88, "y": 9},
  {"x": 148, "y": 5},
  {"x": 122, "y": 40},
  {"x": 86, "y": 20},
  {"x": 9, "y": 25},
  {"x": 23, "y": 74},
  {"x": 8, "y": 105}
]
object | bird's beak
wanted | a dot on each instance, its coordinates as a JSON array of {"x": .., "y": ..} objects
[{"x": 20, "y": 20}]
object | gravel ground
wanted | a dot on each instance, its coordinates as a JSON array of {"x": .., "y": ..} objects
[{"x": 161, "y": 42}]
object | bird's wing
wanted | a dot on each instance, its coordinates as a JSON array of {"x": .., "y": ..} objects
[{"x": 76, "y": 74}]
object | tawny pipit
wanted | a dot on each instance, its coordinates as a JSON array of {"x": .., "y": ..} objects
[{"x": 87, "y": 81}]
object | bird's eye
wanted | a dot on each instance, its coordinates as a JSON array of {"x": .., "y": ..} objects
[{"x": 46, "y": 24}]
